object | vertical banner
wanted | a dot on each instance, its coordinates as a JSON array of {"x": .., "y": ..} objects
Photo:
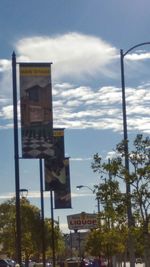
[
  {"x": 55, "y": 177},
  {"x": 62, "y": 197},
  {"x": 58, "y": 141},
  {"x": 36, "y": 110}
]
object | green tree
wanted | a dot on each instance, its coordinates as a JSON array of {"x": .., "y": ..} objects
[
  {"x": 58, "y": 239},
  {"x": 8, "y": 227},
  {"x": 31, "y": 229},
  {"x": 112, "y": 235},
  {"x": 107, "y": 242},
  {"x": 139, "y": 179}
]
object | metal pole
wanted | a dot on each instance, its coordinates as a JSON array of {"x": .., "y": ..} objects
[
  {"x": 129, "y": 211},
  {"x": 42, "y": 212},
  {"x": 52, "y": 221},
  {"x": 16, "y": 157},
  {"x": 79, "y": 240},
  {"x": 128, "y": 191},
  {"x": 98, "y": 205},
  {"x": 98, "y": 210},
  {"x": 71, "y": 242}
]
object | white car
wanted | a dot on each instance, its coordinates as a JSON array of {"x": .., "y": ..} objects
[{"x": 138, "y": 260}]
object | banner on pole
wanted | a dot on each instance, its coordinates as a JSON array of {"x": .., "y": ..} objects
[
  {"x": 58, "y": 141},
  {"x": 55, "y": 173},
  {"x": 62, "y": 198},
  {"x": 36, "y": 110}
]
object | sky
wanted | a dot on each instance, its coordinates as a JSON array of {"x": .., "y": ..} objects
[{"x": 82, "y": 38}]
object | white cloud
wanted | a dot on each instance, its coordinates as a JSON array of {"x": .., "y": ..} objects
[
  {"x": 6, "y": 126},
  {"x": 31, "y": 195},
  {"x": 101, "y": 110},
  {"x": 111, "y": 155},
  {"x": 80, "y": 159},
  {"x": 4, "y": 101},
  {"x": 7, "y": 112},
  {"x": 77, "y": 105},
  {"x": 138, "y": 57},
  {"x": 4, "y": 65},
  {"x": 73, "y": 54},
  {"x": 6, "y": 83},
  {"x": 140, "y": 123}
]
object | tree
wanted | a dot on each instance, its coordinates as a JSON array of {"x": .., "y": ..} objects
[
  {"x": 107, "y": 242},
  {"x": 113, "y": 228},
  {"x": 139, "y": 179},
  {"x": 7, "y": 227},
  {"x": 31, "y": 230},
  {"x": 58, "y": 239}
]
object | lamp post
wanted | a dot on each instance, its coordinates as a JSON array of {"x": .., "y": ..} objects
[
  {"x": 98, "y": 200},
  {"x": 128, "y": 191},
  {"x": 53, "y": 234},
  {"x": 16, "y": 161}
]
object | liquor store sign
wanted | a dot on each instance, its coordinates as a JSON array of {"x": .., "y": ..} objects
[{"x": 82, "y": 221}]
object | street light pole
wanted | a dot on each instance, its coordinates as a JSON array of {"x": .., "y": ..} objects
[
  {"x": 128, "y": 190},
  {"x": 42, "y": 212},
  {"x": 16, "y": 159},
  {"x": 129, "y": 212},
  {"x": 53, "y": 234},
  {"x": 98, "y": 200}
]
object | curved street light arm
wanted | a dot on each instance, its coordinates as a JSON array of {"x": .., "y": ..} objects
[
  {"x": 89, "y": 188},
  {"x": 97, "y": 198},
  {"x": 81, "y": 186},
  {"x": 133, "y": 47}
]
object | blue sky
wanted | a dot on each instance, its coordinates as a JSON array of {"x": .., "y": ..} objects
[{"x": 83, "y": 39}]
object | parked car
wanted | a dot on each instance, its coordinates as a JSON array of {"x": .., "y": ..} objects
[
  {"x": 30, "y": 263},
  {"x": 138, "y": 260},
  {"x": 11, "y": 263},
  {"x": 4, "y": 263},
  {"x": 90, "y": 263}
]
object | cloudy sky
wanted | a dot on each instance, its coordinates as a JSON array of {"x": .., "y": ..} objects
[{"x": 82, "y": 38}]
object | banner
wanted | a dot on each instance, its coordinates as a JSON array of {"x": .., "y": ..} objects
[
  {"x": 58, "y": 141},
  {"x": 36, "y": 110},
  {"x": 55, "y": 167},
  {"x": 62, "y": 198},
  {"x": 55, "y": 174}
]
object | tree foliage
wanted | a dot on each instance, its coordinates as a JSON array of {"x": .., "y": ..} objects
[
  {"x": 112, "y": 175},
  {"x": 31, "y": 230}
]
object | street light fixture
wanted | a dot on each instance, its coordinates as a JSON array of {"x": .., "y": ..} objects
[
  {"x": 98, "y": 200},
  {"x": 128, "y": 190},
  {"x": 23, "y": 193},
  {"x": 81, "y": 186}
]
